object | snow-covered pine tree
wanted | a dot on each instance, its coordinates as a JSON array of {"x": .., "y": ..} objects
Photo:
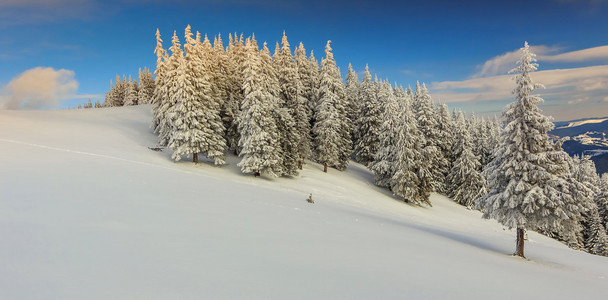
[
  {"x": 428, "y": 125},
  {"x": 386, "y": 159},
  {"x": 161, "y": 88},
  {"x": 527, "y": 184},
  {"x": 174, "y": 89},
  {"x": 108, "y": 96},
  {"x": 602, "y": 200},
  {"x": 308, "y": 75},
  {"x": 286, "y": 126},
  {"x": 369, "y": 121},
  {"x": 331, "y": 132},
  {"x": 232, "y": 108},
  {"x": 97, "y": 104},
  {"x": 198, "y": 127},
  {"x": 312, "y": 86},
  {"x": 465, "y": 182},
  {"x": 593, "y": 236},
  {"x": 131, "y": 93},
  {"x": 146, "y": 87},
  {"x": 412, "y": 178},
  {"x": 259, "y": 139},
  {"x": 291, "y": 97},
  {"x": 352, "y": 98}
]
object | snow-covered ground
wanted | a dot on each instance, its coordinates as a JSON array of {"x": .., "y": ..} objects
[{"x": 87, "y": 211}]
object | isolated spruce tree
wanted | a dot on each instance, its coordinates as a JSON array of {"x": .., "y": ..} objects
[
  {"x": 385, "y": 161},
  {"x": 528, "y": 183},
  {"x": 369, "y": 122},
  {"x": 259, "y": 139},
  {"x": 331, "y": 132}
]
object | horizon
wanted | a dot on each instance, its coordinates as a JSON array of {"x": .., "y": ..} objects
[{"x": 59, "y": 53}]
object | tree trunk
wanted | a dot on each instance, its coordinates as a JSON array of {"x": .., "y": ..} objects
[
  {"x": 300, "y": 165},
  {"x": 195, "y": 158},
  {"x": 520, "y": 243},
  {"x": 325, "y": 167},
  {"x": 256, "y": 173}
]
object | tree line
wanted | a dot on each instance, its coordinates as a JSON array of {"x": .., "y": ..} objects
[{"x": 278, "y": 110}]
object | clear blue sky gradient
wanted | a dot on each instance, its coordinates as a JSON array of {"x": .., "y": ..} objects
[{"x": 404, "y": 41}]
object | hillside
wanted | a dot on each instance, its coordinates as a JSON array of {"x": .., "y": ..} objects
[{"x": 87, "y": 211}]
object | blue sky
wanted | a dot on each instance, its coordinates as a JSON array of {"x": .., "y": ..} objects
[{"x": 60, "y": 52}]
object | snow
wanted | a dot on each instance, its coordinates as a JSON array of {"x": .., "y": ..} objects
[{"x": 88, "y": 212}]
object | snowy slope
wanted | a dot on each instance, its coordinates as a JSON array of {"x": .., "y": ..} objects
[
  {"x": 583, "y": 122},
  {"x": 88, "y": 212}
]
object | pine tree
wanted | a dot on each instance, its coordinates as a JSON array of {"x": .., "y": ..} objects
[
  {"x": 412, "y": 178},
  {"x": 308, "y": 75},
  {"x": 259, "y": 140},
  {"x": 146, "y": 87},
  {"x": 232, "y": 107},
  {"x": 312, "y": 85},
  {"x": 445, "y": 141},
  {"x": 131, "y": 93},
  {"x": 370, "y": 119},
  {"x": 198, "y": 127},
  {"x": 331, "y": 132},
  {"x": 291, "y": 97},
  {"x": 527, "y": 178},
  {"x": 352, "y": 98},
  {"x": 385, "y": 162},
  {"x": 467, "y": 184},
  {"x": 161, "y": 88},
  {"x": 428, "y": 125},
  {"x": 175, "y": 91}
]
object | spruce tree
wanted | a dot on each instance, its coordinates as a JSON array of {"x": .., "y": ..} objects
[
  {"x": 528, "y": 183},
  {"x": 385, "y": 161},
  {"x": 175, "y": 90},
  {"x": 146, "y": 87},
  {"x": 352, "y": 98},
  {"x": 428, "y": 125},
  {"x": 412, "y": 177},
  {"x": 308, "y": 75},
  {"x": 131, "y": 93},
  {"x": 259, "y": 136},
  {"x": 291, "y": 97},
  {"x": 232, "y": 107},
  {"x": 331, "y": 132},
  {"x": 161, "y": 92},
  {"x": 370, "y": 119},
  {"x": 467, "y": 184}
]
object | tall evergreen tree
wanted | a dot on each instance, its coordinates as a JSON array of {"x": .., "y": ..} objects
[
  {"x": 259, "y": 139},
  {"x": 174, "y": 86},
  {"x": 385, "y": 162},
  {"x": 161, "y": 87},
  {"x": 352, "y": 98},
  {"x": 467, "y": 184},
  {"x": 232, "y": 107},
  {"x": 131, "y": 93},
  {"x": 369, "y": 121},
  {"x": 291, "y": 96},
  {"x": 428, "y": 125},
  {"x": 527, "y": 184},
  {"x": 308, "y": 75},
  {"x": 331, "y": 132},
  {"x": 146, "y": 87},
  {"x": 412, "y": 178}
]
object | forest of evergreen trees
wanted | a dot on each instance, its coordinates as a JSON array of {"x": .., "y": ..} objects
[{"x": 278, "y": 110}]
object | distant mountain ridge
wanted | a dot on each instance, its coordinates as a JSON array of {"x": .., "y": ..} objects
[{"x": 585, "y": 136}]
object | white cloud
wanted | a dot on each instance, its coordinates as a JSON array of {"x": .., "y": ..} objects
[
  {"x": 18, "y": 12},
  {"x": 502, "y": 64},
  {"x": 590, "y": 54},
  {"x": 39, "y": 88},
  {"x": 579, "y": 100}
]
